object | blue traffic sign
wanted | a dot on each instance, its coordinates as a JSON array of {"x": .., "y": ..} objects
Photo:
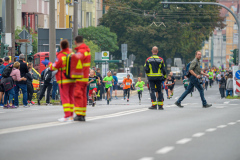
[{"x": 237, "y": 75}]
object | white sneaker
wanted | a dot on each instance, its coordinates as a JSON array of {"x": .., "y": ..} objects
[
  {"x": 63, "y": 119},
  {"x": 70, "y": 119}
]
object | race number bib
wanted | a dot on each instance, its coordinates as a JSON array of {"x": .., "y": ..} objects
[
  {"x": 109, "y": 82},
  {"x": 93, "y": 85},
  {"x": 138, "y": 88},
  {"x": 127, "y": 83},
  {"x": 186, "y": 82},
  {"x": 169, "y": 82}
]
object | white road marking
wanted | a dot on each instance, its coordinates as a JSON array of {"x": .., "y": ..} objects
[
  {"x": 184, "y": 141},
  {"x": 52, "y": 124},
  {"x": 222, "y": 126},
  {"x": 149, "y": 98},
  {"x": 147, "y": 158},
  {"x": 234, "y": 104},
  {"x": 34, "y": 109},
  {"x": 211, "y": 130},
  {"x": 176, "y": 97},
  {"x": 165, "y": 150},
  {"x": 238, "y": 120},
  {"x": 232, "y": 123},
  {"x": 226, "y": 102},
  {"x": 220, "y": 107},
  {"x": 2, "y": 112},
  {"x": 198, "y": 134}
]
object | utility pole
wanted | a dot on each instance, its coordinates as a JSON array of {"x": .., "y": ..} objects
[
  {"x": 75, "y": 24},
  {"x": 52, "y": 31},
  {"x": 3, "y": 20},
  {"x": 13, "y": 29},
  {"x": 8, "y": 16}
]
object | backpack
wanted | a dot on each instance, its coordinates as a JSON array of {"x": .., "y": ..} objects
[
  {"x": 48, "y": 76},
  {"x": 7, "y": 71},
  {"x": 8, "y": 83},
  {"x": 188, "y": 74},
  {"x": 2, "y": 67},
  {"x": 74, "y": 66}
]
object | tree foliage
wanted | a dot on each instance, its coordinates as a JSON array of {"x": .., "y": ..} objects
[
  {"x": 101, "y": 36},
  {"x": 94, "y": 48},
  {"x": 187, "y": 26}
]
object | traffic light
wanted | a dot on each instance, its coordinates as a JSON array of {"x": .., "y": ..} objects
[{"x": 235, "y": 56}]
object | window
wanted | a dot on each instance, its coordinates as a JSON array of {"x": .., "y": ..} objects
[
  {"x": 224, "y": 38},
  {"x": 89, "y": 19}
]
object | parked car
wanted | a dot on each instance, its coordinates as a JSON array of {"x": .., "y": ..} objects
[
  {"x": 120, "y": 79},
  {"x": 176, "y": 72}
]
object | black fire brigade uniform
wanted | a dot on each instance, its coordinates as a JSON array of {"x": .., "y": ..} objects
[{"x": 156, "y": 73}]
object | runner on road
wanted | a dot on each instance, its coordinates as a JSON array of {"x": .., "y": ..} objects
[
  {"x": 128, "y": 83},
  {"x": 108, "y": 80},
  {"x": 170, "y": 83},
  {"x": 174, "y": 79},
  {"x": 140, "y": 84},
  {"x": 93, "y": 83}
]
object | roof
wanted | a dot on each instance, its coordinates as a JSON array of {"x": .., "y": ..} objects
[{"x": 228, "y": 4}]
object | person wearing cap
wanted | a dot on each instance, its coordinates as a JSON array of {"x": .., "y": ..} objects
[
  {"x": 156, "y": 73},
  {"x": 6, "y": 61}
]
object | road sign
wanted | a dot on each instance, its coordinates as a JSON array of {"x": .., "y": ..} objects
[
  {"x": 98, "y": 55},
  {"x": 132, "y": 57},
  {"x": 124, "y": 51},
  {"x": 24, "y": 47},
  {"x": 105, "y": 55},
  {"x": 237, "y": 74},
  {"x": 237, "y": 85},
  {"x": 24, "y": 34}
]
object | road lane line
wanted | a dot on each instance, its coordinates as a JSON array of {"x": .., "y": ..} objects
[
  {"x": 147, "y": 158},
  {"x": 226, "y": 102},
  {"x": 176, "y": 97},
  {"x": 52, "y": 124},
  {"x": 222, "y": 126},
  {"x": 238, "y": 120},
  {"x": 234, "y": 104},
  {"x": 211, "y": 129},
  {"x": 231, "y": 123},
  {"x": 165, "y": 150},
  {"x": 198, "y": 134},
  {"x": 2, "y": 112},
  {"x": 184, "y": 141}
]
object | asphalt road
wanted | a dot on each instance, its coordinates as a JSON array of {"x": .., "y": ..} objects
[{"x": 126, "y": 131}]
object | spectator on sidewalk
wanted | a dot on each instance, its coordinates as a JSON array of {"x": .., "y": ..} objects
[
  {"x": 48, "y": 77},
  {"x": 229, "y": 86},
  {"x": 222, "y": 86},
  {"x": 54, "y": 88},
  {"x": 21, "y": 84},
  {"x": 30, "y": 89},
  {"x": 6, "y": 61}
]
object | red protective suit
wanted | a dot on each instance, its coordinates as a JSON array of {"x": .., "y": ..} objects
[
  {"x": 66, "y": 86},
  {"x": 80, "y": 92}
]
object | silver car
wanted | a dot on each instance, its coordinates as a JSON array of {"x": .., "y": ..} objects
[{"x": 120, "y": 79}]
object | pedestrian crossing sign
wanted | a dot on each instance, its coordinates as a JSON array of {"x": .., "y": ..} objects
[{"x": 105, "y": 55}]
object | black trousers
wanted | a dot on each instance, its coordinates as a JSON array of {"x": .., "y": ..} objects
[
  {"x": 30, "y": 91},
  {"x": 222, "y": 92},
  {"x": 158, "y": 84},
  {"x": 127, "y": 92},
  {"x": 49, "y": 88},
  {"x": 140, "y": 94},
  {"x": 211, "y": 82},
  {"x": 206, "y": 85}
]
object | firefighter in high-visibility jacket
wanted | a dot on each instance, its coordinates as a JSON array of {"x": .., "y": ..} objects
[
  {"x": 156, "y": 73},
  {"x": 80, "y": 92},
  {"x": 66, "y": 86}
]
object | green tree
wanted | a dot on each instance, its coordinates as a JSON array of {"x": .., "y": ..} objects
[
  {"x": 94, "y": 48},
  {"x": 101, "y": 36},
  {"x": 185, "y": 27}
]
